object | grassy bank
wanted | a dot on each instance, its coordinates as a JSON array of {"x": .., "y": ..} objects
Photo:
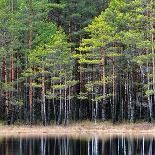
[{"x": 84, "y": 128}]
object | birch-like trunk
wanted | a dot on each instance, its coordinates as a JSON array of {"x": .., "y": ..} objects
[{"x": 43, "y": 96}]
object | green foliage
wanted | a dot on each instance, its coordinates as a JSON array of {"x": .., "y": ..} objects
[
  {"x": 149, "y": 92},
  {"x": 71, "y": 83},
  {"x": 58, "y": 86},
  {"x": 7, "y": 87},
  {"x": 82, "y": 96}
]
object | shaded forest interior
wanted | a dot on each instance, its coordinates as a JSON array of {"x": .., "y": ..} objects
[{"x": 63, "y": 61}]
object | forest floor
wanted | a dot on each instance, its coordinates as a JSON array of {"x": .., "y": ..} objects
[{"x": 81, "y": 129}]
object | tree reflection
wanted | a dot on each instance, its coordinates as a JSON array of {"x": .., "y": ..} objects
[{"x": 70, "y": 146}]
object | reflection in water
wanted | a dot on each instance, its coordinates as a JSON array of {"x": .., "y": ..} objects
[{"x": 69, "y": 146}]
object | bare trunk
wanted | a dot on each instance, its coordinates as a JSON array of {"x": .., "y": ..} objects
[
  {"x": 152, "y": 47},
  {"x": 150, "y": 37},
  {"x": 30, "y": 98},
  {"x": 4, "y": 75},
  {"x": 53, "y": 101},
  {"x": 103, "y": 80},
  {"x": 60, "y": 105},
  {"x": 65, "y": 119},
  {"x": 113, "y": 94},
  {"x": 30, "y": 80},
  {"x": 69, "y": 104},
  {"x": 43, "y": 96}
]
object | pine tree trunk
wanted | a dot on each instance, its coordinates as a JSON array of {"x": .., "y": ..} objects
[
  {"x": 69, "y": 104},
  {"x": 60, "y": 105},
  {"x": 152, "y": 46},
  {"x": 150, "y": 37},
  {"x": 11, "y": 59},
  {"x": 65, "y": 119},
  {"x": 30, "y": 47},
  {"x": 30, "y": 98},
  {"x": 11, "y": 77},
  {"x": 142, "y": 92},
  {"x": 104, "y": 82},
  {"x": 53, "y": 101},
  {"x": 43, "y": 96},
  {"x": 113, "y": 94},
  {"x": 4, "y": 75}
]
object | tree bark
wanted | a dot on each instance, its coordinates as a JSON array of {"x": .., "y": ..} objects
[
  {"x": 43, "y": 96},
  {"x": 4, "y": 75},
  {"x": 104, "y": 82}
]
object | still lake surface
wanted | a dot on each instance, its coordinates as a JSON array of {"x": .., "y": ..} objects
[{"x": 45, "y": 145}]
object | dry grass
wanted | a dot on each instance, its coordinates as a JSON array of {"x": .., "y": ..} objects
[{"x": 81, "y": 129}]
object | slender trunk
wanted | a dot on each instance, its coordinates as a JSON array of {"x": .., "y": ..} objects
[
  {"x": 150, "y": 37},
  {"x": 104, "y": 83},
  {"x": 96, "y": 111},
  {"x": 53, "y": 101},
  {"x": 11, "y": 64},
  {"x": 30, "y": 98},
  {"x": 92, "y": 102},
  {"x": 43, "y": 96},
  {"x": 113, "y": 93},
  {"x": 152, "y": 42},
  {"x": 153, "y": 58},
  {"x": 30, "y": 47},
  {"x": 128, "y": 97},
  {"x": 49, "y": 111},
  {"x": 4, "y": 74},
  {"x": 60, "y": 104},
  {"x": 65, "y": 120},
  {"x": 11, "y": 57},
  {"x": 69, "y": 103},
  {"x": 55, "y": 115},
  {"x": 12, "y": 51},
  {"x": 142, "y": 92},
  {"x": 148, "y": 88}
]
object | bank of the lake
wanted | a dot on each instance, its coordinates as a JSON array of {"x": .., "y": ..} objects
[{"x": 78, "y": 129}]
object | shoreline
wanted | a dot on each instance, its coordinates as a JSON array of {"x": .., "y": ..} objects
[{"x": 81, "y": 129}]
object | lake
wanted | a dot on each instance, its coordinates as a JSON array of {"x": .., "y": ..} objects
[{"x": 44, "y": 145}]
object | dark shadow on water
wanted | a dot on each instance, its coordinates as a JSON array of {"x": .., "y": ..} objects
[{"x": 70, "y": 146}]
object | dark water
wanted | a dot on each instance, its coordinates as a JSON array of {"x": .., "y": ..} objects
[{"x": 71, "y": 146}]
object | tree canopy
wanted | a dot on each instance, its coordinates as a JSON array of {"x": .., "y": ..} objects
[{"x": 63, "y": 61}]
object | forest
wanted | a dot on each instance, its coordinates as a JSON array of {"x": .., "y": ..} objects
[{"x": 64, "y": 61}]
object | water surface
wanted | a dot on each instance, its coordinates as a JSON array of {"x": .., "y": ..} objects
[{"x": 77, "y": 146}]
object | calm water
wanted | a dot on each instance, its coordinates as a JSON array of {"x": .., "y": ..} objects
[{"x": 69, "y": 146}]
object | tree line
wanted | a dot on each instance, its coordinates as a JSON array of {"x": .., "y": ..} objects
[{"x": 64, "y": 61}]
